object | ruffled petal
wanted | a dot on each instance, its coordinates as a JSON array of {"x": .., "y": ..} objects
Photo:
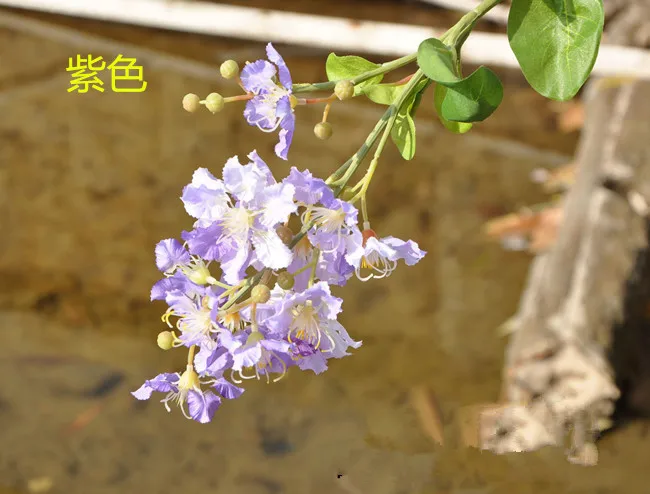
[
  {"x": 257, "y": 76},
  {"x": 202, "y": 406},
  {"x": 283, "y": 70},
  {"x": 170, "y": 253}
]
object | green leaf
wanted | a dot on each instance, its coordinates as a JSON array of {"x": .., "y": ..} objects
[
  {"x": 348, "y": 67},
  {"x": 474, "y": 98},
  {"x": 383, "y": 94},
  {"x": 437, "y": 61},
  {"x": 456, "y": 127},
  {"x": 556, "y": 43},
  {"x": 469, "y": 99},
  {"x": 403, "y": 132}
]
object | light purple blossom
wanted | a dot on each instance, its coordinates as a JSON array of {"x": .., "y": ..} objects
[
  {"x": 271, "y": 106},
  {"x": 380, "y": 255},
  {"x": 334, "y": 221},
  {"x": 310, "y": 316},
  {"x": 246, "y": 223},
  {"x": 194, "y": 316},
  {"x": 264, "y": 354},
  {"x": 183, "y": 389}
]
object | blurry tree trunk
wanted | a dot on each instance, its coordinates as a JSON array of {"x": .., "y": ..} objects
[{"x": 558, "y": 375}]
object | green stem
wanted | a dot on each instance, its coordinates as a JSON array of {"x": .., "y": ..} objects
[
  {"x": 459, "y": 32},
  {"x": 384, "y": 68},
  {"x": 351, "y": 164},
  {"x": 394, "y": 111},
  {"x": 246, "y": 285}
]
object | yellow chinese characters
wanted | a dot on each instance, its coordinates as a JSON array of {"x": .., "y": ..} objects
[{"x": 126, "y": 76}]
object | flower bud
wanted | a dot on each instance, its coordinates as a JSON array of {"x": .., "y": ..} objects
[
  {"x": 229, "y": 69},
  {"x": 165, "y": 340},
  {"x": 191, "y": 102},
  {"x": 260, "y": 294},
  {"x": 344, "y": 90},
  {"x": 286, "y": 280},
  {"x": 214, "y": 102},
  {"x": 285, "y": 233},
  {"x": 199, "y": 275},
  {"x": 323, "y": 130}
]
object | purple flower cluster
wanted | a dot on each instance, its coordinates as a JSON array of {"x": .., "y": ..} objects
[{"x": 238, "y": 329}]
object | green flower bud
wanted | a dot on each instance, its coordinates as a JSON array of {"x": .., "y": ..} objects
[
  {"x": 260, "y": 294},
  {"x": 214, "y": 102},
  {"x": 191, "y": 102},
  {"x": 285, "y": 233},
  {"x": 229, "y": 69},
  {"x": 344, "y": 90},
  {"x": 286, "y": 280},
  {"x": 323, "y": 130},
  {"x": 165, "y": 340},
  {"x": 199, "y": 275}
]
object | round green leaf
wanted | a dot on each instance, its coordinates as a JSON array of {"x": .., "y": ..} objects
[
  {"x": 474, "y": 98},
  {"x": 456, "y": 127},
  {"x": 349, "y": 67},
  {"x": 556, "y": 43},
  {"x": 437, "y": 61},
  {"x": 383, "y": 94}
]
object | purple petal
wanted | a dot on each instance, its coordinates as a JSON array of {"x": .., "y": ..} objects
[
  {"x": 309, "y": 190},
  {"x": 276, "y": 58},
  {"x": 261, "y": 165},
  {"x": 212, "y": 361},
  {"x": 207, "y": 242},
  {"x": 315, "y": 362},
  {"x": 333, "y": 268},
  {"x": 232, "y": 342},
  {"x": 260, "y": 112},
  {"x": 246, "y": 356},
  {"x": 271, "y": 251},
  {"x": 162, "y": 383},
  {"x": 277, "y": 204},
  {"x": 235, "y": 262},
  {"x": 205, "y": 198},
  {"x": 169, "y": 253},
  {"x": 227, "y": 389},
  {"x": 373, "y": 244},
  {"x": 284, "y": 142},
  {"x": 177, "y": 281},
  {"x": 354, "y": 248},
  {"x": 409, "y": 250},
  {"x": 202, "y": 406},
  {"x": 342, "y": 341},
  {"x": 288, "y": 123},
  {"x": 257, "y": 76},
  {"x": 245, "y": 182}
]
